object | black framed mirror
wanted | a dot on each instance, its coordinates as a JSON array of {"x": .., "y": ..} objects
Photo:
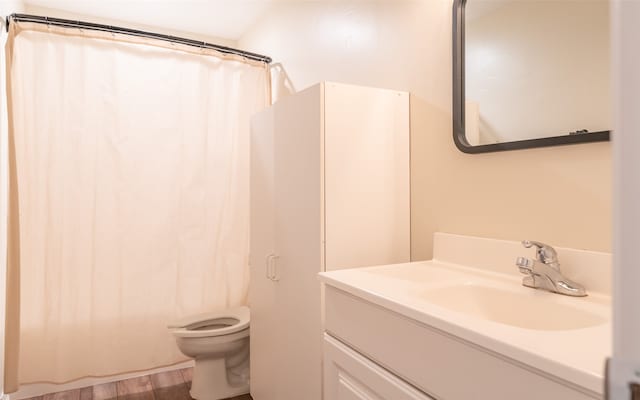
[{"x": 530, "y": 73}]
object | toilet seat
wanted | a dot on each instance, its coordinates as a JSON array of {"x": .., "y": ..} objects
[{"x": 219, "y": 323}]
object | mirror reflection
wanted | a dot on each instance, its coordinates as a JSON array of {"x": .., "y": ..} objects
[{"x": 535, "y": 68}]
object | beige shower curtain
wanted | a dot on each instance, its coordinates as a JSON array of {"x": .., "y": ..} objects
[{"x": 131, "y": 179}]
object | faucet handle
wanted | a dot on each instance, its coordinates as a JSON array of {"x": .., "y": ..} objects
[
  {"x": 525, "y": 265},
  {"x": 544, "y": 253}
]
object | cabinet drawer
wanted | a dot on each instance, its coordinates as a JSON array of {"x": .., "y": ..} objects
[{"x": 350, "y": 376}]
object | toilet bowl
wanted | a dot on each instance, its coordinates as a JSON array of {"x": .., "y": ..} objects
[{"x": 219, "y": 343}]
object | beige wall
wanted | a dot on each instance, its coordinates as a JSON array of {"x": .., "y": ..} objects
[{"x": 560, "y": 195}]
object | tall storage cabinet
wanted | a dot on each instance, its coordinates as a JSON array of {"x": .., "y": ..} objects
[{"x": 329, "y": 190}]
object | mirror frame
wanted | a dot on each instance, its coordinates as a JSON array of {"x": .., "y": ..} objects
[{"x": 459, "y": 137}]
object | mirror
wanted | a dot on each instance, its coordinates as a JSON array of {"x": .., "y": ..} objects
[{"x": 530, "y": 73}]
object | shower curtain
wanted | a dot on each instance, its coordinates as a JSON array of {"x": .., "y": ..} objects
[{"x": 129, "y": 196}]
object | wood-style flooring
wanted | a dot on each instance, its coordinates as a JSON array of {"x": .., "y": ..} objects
[{"x": 171, "y": 385}]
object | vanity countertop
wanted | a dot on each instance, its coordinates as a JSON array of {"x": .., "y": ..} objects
[{"x": 562, "y": 336}]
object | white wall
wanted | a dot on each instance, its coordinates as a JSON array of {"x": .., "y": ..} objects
[
  {"x": 561, "y": 195},
  {"x": 58, "y": 13},
  {"x": 213, "y": 18},
  {"x": 389, "y": 44},
  {"x": 6, "y": 7},
  {"x": 538, "y": 68}
]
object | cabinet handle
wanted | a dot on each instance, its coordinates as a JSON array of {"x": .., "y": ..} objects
[
  {"x": 271, "y": 267},
  {"x": 268, "y": 266},
  {"x": 274, "y": 268}
]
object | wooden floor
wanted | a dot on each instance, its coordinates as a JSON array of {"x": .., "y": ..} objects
[{"x": 172, "y": 385}]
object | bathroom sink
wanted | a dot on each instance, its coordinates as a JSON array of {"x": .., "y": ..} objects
[{"x": 526, "y": 309}]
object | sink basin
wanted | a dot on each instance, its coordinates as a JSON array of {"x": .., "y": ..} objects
[{"x": 534, "y": 310}]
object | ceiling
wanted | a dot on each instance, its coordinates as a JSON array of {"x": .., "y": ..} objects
[{"x": 228, "y": 19}]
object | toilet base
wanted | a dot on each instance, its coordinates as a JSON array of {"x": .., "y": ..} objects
[{"x": 210, "y": 381}]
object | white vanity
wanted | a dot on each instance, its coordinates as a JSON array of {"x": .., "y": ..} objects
[{"x": 462, "y": 326}]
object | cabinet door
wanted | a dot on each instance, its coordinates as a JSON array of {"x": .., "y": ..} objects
[
  {"x": 299, "y": 247},
  {"x": 367, "y": 203},
  {"x": 350, "y": 376},
  {"x": 262, "y": 291}
]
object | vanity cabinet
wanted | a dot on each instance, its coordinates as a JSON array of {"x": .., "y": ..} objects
[
  {"x": 329, "y": 190},
  {"x": 371, "y": 350}
]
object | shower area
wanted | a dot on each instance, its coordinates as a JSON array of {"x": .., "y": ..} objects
[{"x": 126, "y": 177}]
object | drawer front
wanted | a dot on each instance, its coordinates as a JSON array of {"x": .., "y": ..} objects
[
  {"x": 350, "y": 376},
  {"x": 436, "y": 362}
]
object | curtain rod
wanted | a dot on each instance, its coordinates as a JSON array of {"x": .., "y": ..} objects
[{"x": 133, "y": 32}]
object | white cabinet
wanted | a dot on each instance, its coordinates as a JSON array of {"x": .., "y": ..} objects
[
  {"x": 329, "y": 190},
  {"x": 431, "y": 360},
  {"x": 263, "y": 291},
  {"x": 350, "y": 376}
]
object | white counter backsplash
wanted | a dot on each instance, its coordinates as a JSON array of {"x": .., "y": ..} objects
[{"x": 591, "y": 269}]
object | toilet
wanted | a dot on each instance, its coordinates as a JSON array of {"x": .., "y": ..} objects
[{"x": 219, "y": 343}]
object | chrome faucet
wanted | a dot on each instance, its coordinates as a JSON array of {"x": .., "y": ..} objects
[{"x": 544, "y": 272}]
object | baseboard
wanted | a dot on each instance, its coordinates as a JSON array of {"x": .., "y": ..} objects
[{"x": 38, "y": 389}]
